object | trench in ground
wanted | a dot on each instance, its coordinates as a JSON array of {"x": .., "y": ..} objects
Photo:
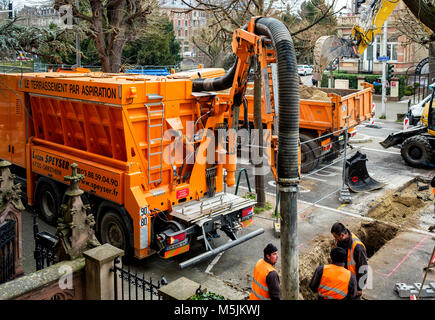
[{"x": 392, "y": 211}]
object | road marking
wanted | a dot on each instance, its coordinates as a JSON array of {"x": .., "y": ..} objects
[
  {"x": 379, "y": 150},
  {"x": 342, "y": 206},
  {"x": 215, "y": 260},
  {"x": 326, "y": 173},
  {"x": 404, "y": 258},
  {"x": 317, "y": 179}
]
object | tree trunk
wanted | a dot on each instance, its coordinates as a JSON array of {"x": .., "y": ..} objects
[{"x": 431, "y": 62}]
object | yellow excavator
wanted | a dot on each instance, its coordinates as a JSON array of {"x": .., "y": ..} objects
[
  {"x": 329, "y": 48},
  {"x": 417, "y": 145}
]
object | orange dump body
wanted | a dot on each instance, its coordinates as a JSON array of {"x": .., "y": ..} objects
[
  {"x": 122, "y": 131},
  {"x": 316, "y": 118}
]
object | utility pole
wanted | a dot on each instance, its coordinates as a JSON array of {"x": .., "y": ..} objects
[
  {"x": 258, "y": 126},
  {"x": 78, "y": 57},
  {"x": 384, "y": 69}
]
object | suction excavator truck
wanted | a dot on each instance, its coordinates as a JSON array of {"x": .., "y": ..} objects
[{"x": 152, "y": 172}]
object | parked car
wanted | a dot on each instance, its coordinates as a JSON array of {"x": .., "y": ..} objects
[
  {"x": 304, "y": 70},
  {"x": 415, "y": 112},
  {"x": 333, "y": 67}
]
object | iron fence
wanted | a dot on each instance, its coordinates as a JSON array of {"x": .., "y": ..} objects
[
  {"x": 45, "y": 247},
  {"x": 130, "y": 285},
  {"x": 7, "y": 251}
]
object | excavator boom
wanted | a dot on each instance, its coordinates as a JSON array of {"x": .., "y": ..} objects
[{"x": 328, "y": 48}]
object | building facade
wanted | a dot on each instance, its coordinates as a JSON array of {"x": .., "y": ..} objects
[
  {"x": 41, "y": 16},
  {"x": 187, "y": 24},
  {"x": 403, "y": 53}
]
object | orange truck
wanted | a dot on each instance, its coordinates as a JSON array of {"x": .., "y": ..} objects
[
  {"x": 114, "y": 127},
  {"x": 317, "y": 119}
]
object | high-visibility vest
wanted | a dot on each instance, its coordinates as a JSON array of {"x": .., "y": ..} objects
[
  {"x": 351, "y": 265},
  {"x": 334, "y": 283},
  {"x": 260, "y": 291}
]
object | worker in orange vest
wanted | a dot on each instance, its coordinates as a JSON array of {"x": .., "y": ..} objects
[
  {"x": 356, "y": 261},
  {"x": 333, "y": 281},
  {"x": 265, "y": 284}
]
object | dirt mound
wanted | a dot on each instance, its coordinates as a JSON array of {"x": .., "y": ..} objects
[
  {"x": 312, "y": 93},
  {"x": 306, "y": 93},
  {"x": 308, "y": 262},
  {"x": 398, "y": 205}
]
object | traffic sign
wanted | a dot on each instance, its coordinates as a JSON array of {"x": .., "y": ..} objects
[{"x": 383, "y": 58}]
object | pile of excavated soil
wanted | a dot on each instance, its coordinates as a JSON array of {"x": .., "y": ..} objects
[
  {"x": 397, "y": 206},
  {"x": 312, "y": 93},
  {"x": 317, "y": 255},
  {"x": 305, "y": 93}
]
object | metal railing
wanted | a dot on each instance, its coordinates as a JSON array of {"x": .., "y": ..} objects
[
  {"x": 45, "y": 247},
  {"x": 134, "y": 286},
  {"x": 7, "y": 251}
]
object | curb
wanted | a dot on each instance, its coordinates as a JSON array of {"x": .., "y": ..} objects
[{"x": 360, "y": 140}]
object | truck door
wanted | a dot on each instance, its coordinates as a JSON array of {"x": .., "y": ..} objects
[
  {"x": 18, "y": 129},
  {"x": 5, "y": 134}
]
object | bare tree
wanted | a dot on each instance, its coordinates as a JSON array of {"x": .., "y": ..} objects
[
  {"x": 424, "y": 10},
  {"x": 111, "y": 24}
]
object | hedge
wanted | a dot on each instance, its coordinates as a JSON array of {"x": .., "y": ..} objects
[{"x": 369, "y": 78}]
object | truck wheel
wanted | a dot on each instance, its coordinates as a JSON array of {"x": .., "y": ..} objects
[
  {"x": 113, "y": 231},
  {"x": 309, "y": 160},
  {"x": 416, "y": 151},
  {"x": 48, "y": 199}
]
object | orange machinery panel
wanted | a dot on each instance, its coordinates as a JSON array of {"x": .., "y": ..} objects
[
  {"x": 103, "y": 181},
  {"x": 12, "y": 122}
]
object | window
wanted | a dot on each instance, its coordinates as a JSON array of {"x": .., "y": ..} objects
[
  {"x": 185, "y": 33},
  {"x": 185, "y": 23},
  {"x": 179, "y": 33},
  {"x": 179, "y": 23},
  {"x": 392, "y": 47}
]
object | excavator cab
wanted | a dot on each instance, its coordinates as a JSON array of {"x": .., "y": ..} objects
[
  {"x": 417, "y": 144},
  {"x": 431, "y": 113}
]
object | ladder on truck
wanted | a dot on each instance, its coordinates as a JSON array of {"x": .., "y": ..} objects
[{"x": 155, "y": 113}]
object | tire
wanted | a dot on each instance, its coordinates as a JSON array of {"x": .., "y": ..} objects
[
  {"x": 309, "y": 160},
  {"x": 48, "y": 199},
  {"x": 416, "y": 151},
  {"x": 113, "y": 230}
]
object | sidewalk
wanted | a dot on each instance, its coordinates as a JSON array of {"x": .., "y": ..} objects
[{"x": 392, "y": 108}]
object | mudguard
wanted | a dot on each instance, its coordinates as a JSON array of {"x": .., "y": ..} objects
[
  {"x": 400, "y": 136},
  {"x": 357, "y": 177}
]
